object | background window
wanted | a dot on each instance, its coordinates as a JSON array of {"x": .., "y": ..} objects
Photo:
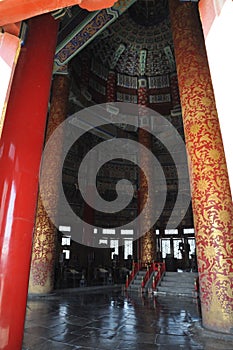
[
  {"x": 177, "y": 252},
  {"x": 192, "y": 245},
  {"x": 108, "y": 231},
  {"x": 127, "y": 232},
  {"x": 128, "y": 248},
  {"x": 66, "y": 253},
  {"x": 103, "y": 241},
  {"x": 65, "y": 240},
  {"x": 166, "y": 247},
  {"x": 114, "y": 244},
  {"x": 188, "y": 231},
  {"x": 171, "y": 232}
]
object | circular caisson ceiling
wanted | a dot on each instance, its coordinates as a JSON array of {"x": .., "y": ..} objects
[{"x": 138, "y": 43}]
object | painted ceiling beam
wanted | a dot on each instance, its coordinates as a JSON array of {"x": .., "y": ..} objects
[
  {"x": 86, "y": 31},
  {"x": 12, "y": 11}
]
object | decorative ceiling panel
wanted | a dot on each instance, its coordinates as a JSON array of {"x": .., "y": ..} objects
[{"x": 156, "y": 40}]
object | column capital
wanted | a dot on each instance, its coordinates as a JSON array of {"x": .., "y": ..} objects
[{"x": 62, "y": 70}]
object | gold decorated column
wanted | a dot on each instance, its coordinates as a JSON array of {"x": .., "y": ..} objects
[
  {"x": 147, "y": 241},
  {"x": 211, "y": 197},
  {"x": 44, "y": 243}
]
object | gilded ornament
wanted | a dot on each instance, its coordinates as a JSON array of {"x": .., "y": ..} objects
[
  {"x": 195, "y": 128},
  {"x": 202, "y": 185},
  {"x": 206, "y": 101},
  {"x": 210, "y": 253},
  {"x": 224, "y": 216}
]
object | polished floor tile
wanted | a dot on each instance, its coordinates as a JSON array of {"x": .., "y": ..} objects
[{"x": 113, "y": 319}]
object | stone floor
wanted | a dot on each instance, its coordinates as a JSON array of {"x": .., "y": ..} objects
[{"x": 111, "y": 319}]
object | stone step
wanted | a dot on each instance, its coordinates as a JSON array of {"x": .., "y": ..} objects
[
  {"x": 135, "y": 287},
  {"x": 141, "y": 273},
  {"x": 180, "y": 275},
  {"x": 173, "y": 283},
  {"x": 138, "y": 278},
  {"x": 176, "y": 291},
  {"x": 177, "y": 283},
  {"x": 179, "y": 280},
  {"x": 188, "y": 284},
  {"x": 136, "y": 282}
]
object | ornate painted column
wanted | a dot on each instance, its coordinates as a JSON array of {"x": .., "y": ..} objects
[
  {"x": 44, "y": 242},
  {"x": 147, "y": 241},
  {"x": 20, "y": 155},
  {"x": 211, "y": 197},
  {"x": 111, "y": 87}
]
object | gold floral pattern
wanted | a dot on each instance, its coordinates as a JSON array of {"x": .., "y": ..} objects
[
  {"x": 211, "y": 196},
  {"x": 43, "y": 253},
  {"x": 148, "y": 239}
]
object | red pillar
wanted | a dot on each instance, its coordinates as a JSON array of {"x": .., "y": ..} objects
[{"x": 20, "y": 155}]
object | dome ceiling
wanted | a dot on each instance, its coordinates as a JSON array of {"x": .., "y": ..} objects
[
  {"x": 139, "y": 42},
  {"x": 149, "y": 12}
]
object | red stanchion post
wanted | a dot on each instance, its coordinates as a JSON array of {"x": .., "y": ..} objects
[
  {"x": 153, "y": 283},
  {"x": 159, "y": 271},
  {"x": 127, "y": 282},
  {"x": 142, "y": 284}
]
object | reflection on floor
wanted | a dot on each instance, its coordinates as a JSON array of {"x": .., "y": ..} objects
[{"x": 113, "y": 319}]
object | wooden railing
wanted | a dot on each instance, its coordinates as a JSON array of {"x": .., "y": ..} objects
[
  {"x": 154, "y": 267},
  {"x": 136, "y": 266},
  {"x": 161, "y": 269}
]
